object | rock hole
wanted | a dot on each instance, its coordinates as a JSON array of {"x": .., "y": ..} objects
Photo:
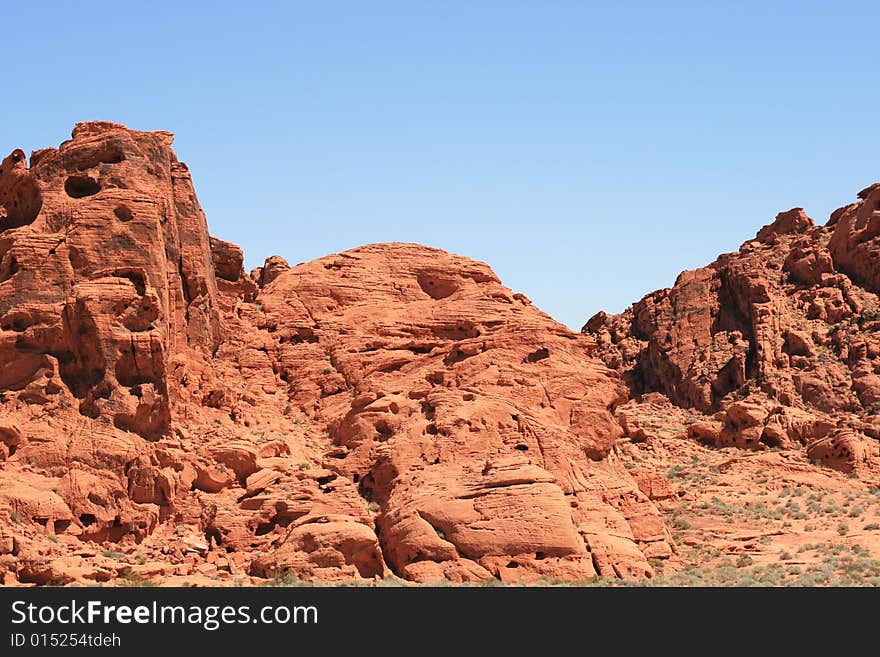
[
  {"x": 436, "y": 287},
  {"x": 431, "y": 430},
  {"x": 110, "y": 157},
  {"x": 213, "y": 532},
  {"x": 355, "y": 477},
  {"x": 384, "y": 428},
  {"x": 19, "y": 323},
  {"x": 81, "y": 186},
  {"x": 123, "y": 213},
  {"x": 22, "y": 200},
  {"x": 535, "y": 356},
  {"x": 104, "y": 155},
  {"x": 513, "y": 564},
  {"x": 540, "y": 556},
  {"x": 770, "y": 441},
  {"x": 455, "y": 356},
  {"x": 264, "y": 528},
  {"x": 87, "y": 519},
  {"x": 88, "y": 408},
  {"x": 8, "y": 268},
  {"x": 522, "y": 448}
]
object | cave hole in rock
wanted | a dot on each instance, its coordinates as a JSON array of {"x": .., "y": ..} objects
[
  {"x": 88, "y": 408},
  {"x": 458, "y": 331},
  {"x": 87, "y": 519},
  {"x": 22, "y": 203},
  {"x": 540, "y": 354},
  {"x": 455, "y": 356},
  {"x": 18, "y": 322},
  {"x": 123, "y": 213},
  {"x": 384, "y": 429},
  {"x": 9, "y": 267},
  {"x": 104, "y": 155},
  {"x": 112, "y": 157},
  {"x": 770, "y": 441},
  {"x": 522, "y": 448},
  {"x": 264, "y": 528},
  {"x": 213, "y": 532},
  {"x": 437, "y": 287},
  {"x": 81, "y": 186}
]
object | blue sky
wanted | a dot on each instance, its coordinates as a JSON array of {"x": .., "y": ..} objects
[{"x": 587, "y": 151}]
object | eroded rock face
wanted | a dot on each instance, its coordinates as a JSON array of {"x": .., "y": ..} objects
[
  {"x": 106, "y": 279},
  {"x": 477, "y": 429},
  {"x": 389, "y": 410},
  {"x": 778, "y": 343}
]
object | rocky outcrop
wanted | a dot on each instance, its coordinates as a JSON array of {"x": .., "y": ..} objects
[
  {"x": 107, "y": 281},
  {"x": 476, "y": 428},
  {"x": 778, "y": 343},
  {"x": 389, "y": 411}
]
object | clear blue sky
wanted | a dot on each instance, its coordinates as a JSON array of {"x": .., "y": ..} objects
[{"x": 587, "y": 151}]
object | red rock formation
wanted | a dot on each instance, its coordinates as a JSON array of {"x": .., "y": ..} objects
[
  {"x": 778, "y": 340},
  {"x": 391, "y": 409},
  {"x": 478, "y": 426}
]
